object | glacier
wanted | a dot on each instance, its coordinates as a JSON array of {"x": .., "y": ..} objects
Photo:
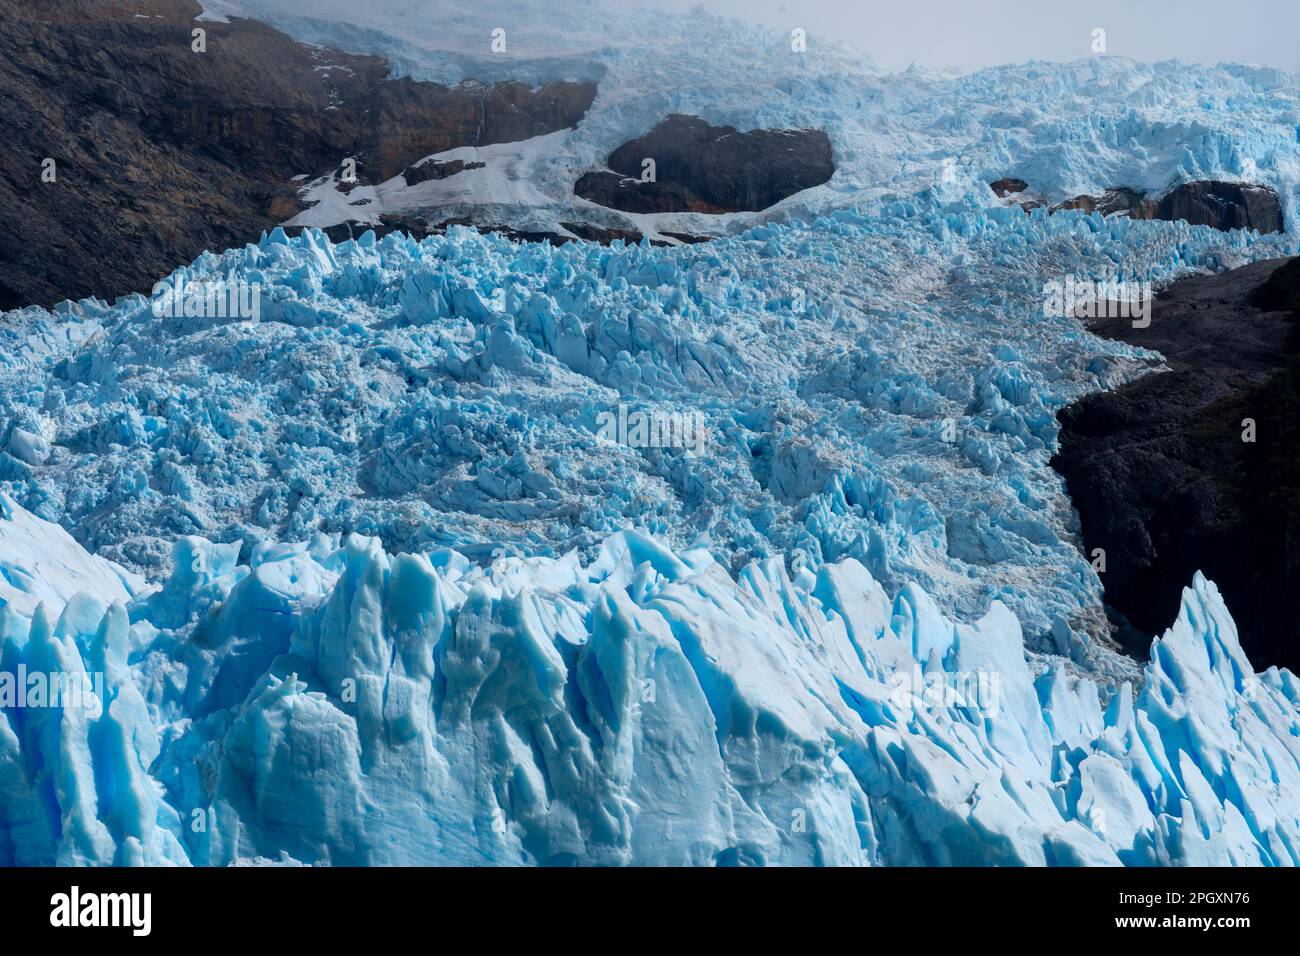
[
  {"x": 879, "y": 385},
  {"x": 364, "y": 583},
  {"x": 332, "y": 703},
  {"x": 1066, "y": 129},
  {"x": 503, "y": 639}
]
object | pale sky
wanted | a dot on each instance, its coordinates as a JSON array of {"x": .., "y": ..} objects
[{"x": 969, "y": 34}]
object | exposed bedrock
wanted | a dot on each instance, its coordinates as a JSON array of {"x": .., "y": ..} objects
[
  {"x": 161, "y": 152},
  {"x": 1203, "y": 203},
  {"x": 1198, "y": 467},
  {"x": 711, "y": 169},
  {"x": 1119, "y": 199},
  {"x": 432, "y": 169},
  {"x": 418, "y": 225},
  {"x": 1217, "y": 204},
  {"x": 1008, "y": 186}
]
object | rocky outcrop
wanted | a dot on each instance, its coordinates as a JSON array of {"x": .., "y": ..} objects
[
  {"x": 1009, "y": 186},
  {"x": 604, "y": 235},
  {"x": 1218, "y": 204},
  {"x": 630, "y": 194},
  {"x": 1198, "y": 468},
  {"x": 417, "y": 226},
  {"x": 161, "y": 152},
  {"x": 1203, "y": 203},
  {"x": 698, "y": 167},
  {"x": 1119, "y": 199},
  {"x": 432, "y": 169}
]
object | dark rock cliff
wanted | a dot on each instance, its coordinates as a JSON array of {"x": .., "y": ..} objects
[
  {"x": 1163, "y": 479},
  {"x": 1218, "y": 204},
  {"x": 1206, "y": 202},
  {"x": 710, "y": 169},
  {"x": 162, "y": 152}
]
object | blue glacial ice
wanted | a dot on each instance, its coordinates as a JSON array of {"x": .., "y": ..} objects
[
  {"x": 878, "y": 385},
  {"x": 505, "y": 639},
  {"x": 813, "y": 643},
  {"x": 363, "y": 583},
  {"x": 330, "y": 702}
]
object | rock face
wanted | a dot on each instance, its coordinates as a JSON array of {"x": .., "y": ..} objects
[
  {"x": 161, "y": 152},
  {"x": 1218, "y": 204},
  {"x": 1119, "y": 199},
  {"x": 1163, "y": 473},
  {"x": 423, "y": 172},
  {"x": 1008, "y": 187},
  {"x": 418, "y": 226},
  {"x": 709, "y": 169},
  {"x": 1202, "y": 203}
]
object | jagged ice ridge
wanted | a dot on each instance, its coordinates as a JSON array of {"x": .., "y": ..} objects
[{"x": 332, "y": 703}]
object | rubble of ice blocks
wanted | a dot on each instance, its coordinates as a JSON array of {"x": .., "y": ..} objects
[
  {"x": 332, "y": 703},
  {"x": 872, "y": 385}
]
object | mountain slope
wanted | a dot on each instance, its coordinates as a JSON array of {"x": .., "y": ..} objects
[{"x": 161, "y": 152}]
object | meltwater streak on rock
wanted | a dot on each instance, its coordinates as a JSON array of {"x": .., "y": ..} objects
[
  {"x": 1162, "y": 478},
  {"x": 332, "y": 703}
]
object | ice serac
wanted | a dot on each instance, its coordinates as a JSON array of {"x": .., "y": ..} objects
[
  {"x": 41, "y": 563},
  {"x": 647, "y": 707}
]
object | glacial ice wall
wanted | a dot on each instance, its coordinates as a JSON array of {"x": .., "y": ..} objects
[
  {"x": 813, "y": 650},
  {"x": 330, "y": 702}
]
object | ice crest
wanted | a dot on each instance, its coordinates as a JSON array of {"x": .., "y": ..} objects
[{"x": 335, "y": 703}]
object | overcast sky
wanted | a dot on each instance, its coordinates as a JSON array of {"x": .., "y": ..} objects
[{"x": 974, "y": 33}]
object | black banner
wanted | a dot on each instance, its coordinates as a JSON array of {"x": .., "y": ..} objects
[{"x": 330, "y": 906}]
